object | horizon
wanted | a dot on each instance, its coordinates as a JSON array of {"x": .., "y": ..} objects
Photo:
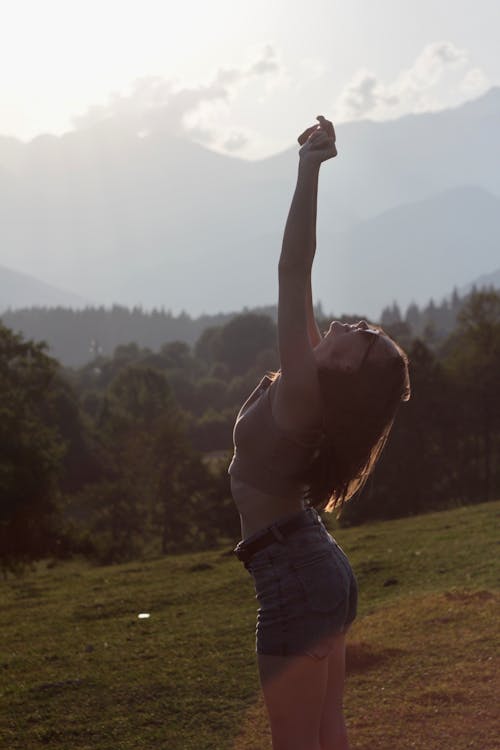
[
  {"x": 230, "y": 83},
  {"x": 143, "y": 196},
  {"x": 207, "y": 147}
]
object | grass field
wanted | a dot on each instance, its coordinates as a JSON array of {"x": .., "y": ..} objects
[{"x": 79, "y": 669}]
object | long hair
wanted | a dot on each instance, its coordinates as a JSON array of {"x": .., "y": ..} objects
[{"x": 359, "y": 411}]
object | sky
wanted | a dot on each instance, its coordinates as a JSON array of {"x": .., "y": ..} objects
[{"x": 240, "y": 77}]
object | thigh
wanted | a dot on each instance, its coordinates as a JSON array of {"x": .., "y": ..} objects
[
  {"x": 332, "y": 728},
  {"x": 294, "y": 689}
]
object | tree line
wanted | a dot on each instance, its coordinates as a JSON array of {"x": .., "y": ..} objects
[
  {"x": 127, "y": 456},
  {"x": 76, "y": 337},
  {"x": 433, "y": 322}
]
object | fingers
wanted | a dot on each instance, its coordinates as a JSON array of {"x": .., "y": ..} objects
[
  {"x": 327, "y": 126},
  {"x": 305, "y": 135},
  {"x": 319, "y": 139}
]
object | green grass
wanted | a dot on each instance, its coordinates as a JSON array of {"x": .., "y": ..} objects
[{"x": 78, "y": 669}]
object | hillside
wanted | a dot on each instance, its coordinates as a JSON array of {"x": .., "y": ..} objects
[{"x": 81, "y": 670}]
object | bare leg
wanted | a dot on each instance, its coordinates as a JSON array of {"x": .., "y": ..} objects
[
  {"x": 333, "y": 735},
  {"x": 294, "y": 689}
]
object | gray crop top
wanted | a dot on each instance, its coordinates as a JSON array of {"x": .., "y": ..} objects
[{"x": 267, "y": 457}]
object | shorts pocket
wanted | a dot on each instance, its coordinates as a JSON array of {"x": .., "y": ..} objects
[
  {"x": 260, "y": 567},
  {"x": 307, "y": 546},
  {"x": 324, "y": 583}
]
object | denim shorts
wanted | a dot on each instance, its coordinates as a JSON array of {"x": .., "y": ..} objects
[{"x": 306, "y": 590}]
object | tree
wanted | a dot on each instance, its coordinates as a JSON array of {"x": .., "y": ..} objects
[
  {"x": 412, "y": 318},
  {"x": 243, "y": 338},
  {"x": 152, "y": 480},
  {"x": 211, "y": 393},
  {"x": 121, "y": 503},
  {"x": 213, "y": 431},
  {"x": 207, "y": 348},
  {"x": 177, "y": 355},
  {"x": 31, "y": 451},
  {"x": 474, "y": 362},
  {"x": 391, "y": 315}
]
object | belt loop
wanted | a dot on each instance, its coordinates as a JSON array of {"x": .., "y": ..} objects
[{"x": 277, "y": 533}]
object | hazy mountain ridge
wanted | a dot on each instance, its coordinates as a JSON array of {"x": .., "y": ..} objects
[
  {"x": 158, "y": 222},
  {"x": 482, "y": 282},
  {"x": 19, "y": 290},
  {"x": 421, "y": 249}
]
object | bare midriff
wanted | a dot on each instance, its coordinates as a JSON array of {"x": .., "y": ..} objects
[{"x": 258, "y": 509}]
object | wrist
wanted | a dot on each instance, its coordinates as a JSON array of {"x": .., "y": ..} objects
[{"x": 308, "y": 166}]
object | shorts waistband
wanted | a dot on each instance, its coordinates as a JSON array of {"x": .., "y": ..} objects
[{"x": 276, "y": 532}]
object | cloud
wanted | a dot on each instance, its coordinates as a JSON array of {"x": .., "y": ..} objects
[
  {"x": 152, "y": 104},
  {"x": 430, "y": 66},
  {"x": 235, "y": 142},
  {"x": 155, "y": 104},
  {"x": 427, "y": 84},
  {"x": 363, "y": 94},
  {"x": 475, "y": 82},
  {"x": 267, "y": 64}
]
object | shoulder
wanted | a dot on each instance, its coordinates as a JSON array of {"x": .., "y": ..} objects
[{"x": 296, "y": 402}]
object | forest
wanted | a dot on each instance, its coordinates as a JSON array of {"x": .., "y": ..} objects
[
  {"x": 126, "y": 456},
  {"x": 75, "y": 336}
]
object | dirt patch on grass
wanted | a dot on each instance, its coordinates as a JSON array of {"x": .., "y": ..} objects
[
  {"x": 362, "y": 656},
  {"x": 469, "y": 597},
  {"x": 438, "y": 692},
  {"x": 431, "y": 689}
]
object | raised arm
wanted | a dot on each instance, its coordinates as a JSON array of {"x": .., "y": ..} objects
[
  {"x": 312, "y": 326},
  {"x": 297, "y": 329},
  {"x": 294, "y": 273}
]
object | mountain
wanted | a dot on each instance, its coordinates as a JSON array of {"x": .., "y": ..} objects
[
  {"x": 165, "y": 222},
  {"x": 19, "y": 290},
  {"x": 418, "y": 251},
  {"x": 485, "y": 280}
]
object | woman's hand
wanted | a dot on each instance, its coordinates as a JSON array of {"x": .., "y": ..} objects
[{"x": 318, "y": 142}]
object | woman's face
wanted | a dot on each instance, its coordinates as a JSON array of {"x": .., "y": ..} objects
[{"x": 346, "y": 346}]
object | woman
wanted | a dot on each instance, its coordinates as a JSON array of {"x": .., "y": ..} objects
[{"x": 306, "y": 439}]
